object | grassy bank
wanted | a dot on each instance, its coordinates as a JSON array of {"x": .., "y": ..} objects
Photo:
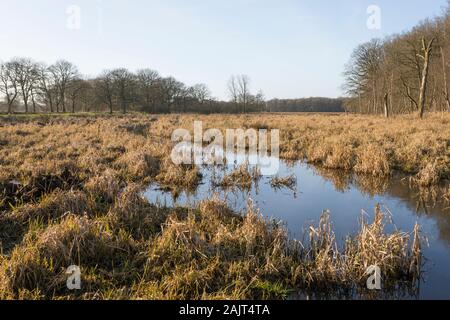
[{"x": 70, "y": 194}]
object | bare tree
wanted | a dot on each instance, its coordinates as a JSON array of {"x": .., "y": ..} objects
[
  {"x": 123, "y": 81},
  {"x": 171, "y": 91},
  {"x": 27, "y": 75},
  {"x": 427, "y": 51},
  {"x": 363, "y": 74},
  {"x": 201, "y": 93},
  {"x": 75, "y": 91},
  {"x": 398, "y": 74},
  {"x": 147, "y": 81},
  {"x": 34, "y": 94},
  {"x": 243, "y": 82},
  {"x": 64, "y": 73},
  {"x": 45, "y": 85},
  {"x": 9, "y": 83},
  {"x": 260, "y": 101},
  {"x": 233, "y": 91},
  {"x": 104, "y": 88},
  {"x": 445, "y": 80}
]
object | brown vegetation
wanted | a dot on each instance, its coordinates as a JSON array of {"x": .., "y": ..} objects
[
  {"x": 403, "y": 73},
  {"x": 363, "y": 144},
  {"x": 70, "y": 194},
  {"x": 242, "y": 177},
  {"x": 280, "y": 182}
]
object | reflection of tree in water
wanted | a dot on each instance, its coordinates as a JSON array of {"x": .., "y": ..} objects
[
  {"x": 291, "y": 163},
  {"x": 341, "y": 180},
  {"x": 344, "y": 180},
  {"x": 370, "y": 185},
  {"x": 431, "y": 202}
]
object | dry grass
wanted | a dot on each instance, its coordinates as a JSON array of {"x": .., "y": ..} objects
[
  {"x": 39, "y": 263},
  {"x": 326, "y": 268},
  {"x": 447, "y": 195},
  {"x": 215, "y": 254},
  {"x": 284, "y": 182},
  {"x": 363, "y": 144},
  {"x": 140, "y": 252},
  {"x": 70, "y": 194},
  {"x": 242, "y": 177},
  {"x": 429, "y": 176},
  {"x": 173, "y": 177}
]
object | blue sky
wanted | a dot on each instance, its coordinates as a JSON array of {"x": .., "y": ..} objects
[{"x": 289, "y": 48}]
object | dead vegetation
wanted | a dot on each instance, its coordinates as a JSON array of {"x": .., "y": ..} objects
[
  {"x": 327, "y": 266},
  {"x": 174, "y": 177},
  {"x": 140, "y": 252},
  {"x": 70, "y": 194},
  {"x": 447, "y": 195},
  {"x": 429, "y": 176},
  {"x": 284, "y": 182},
  {"x": 241, "y": 177},
  {"x": 364, "y": 144}
]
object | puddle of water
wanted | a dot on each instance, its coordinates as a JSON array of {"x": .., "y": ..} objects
[{"x": 345, "y": 196}]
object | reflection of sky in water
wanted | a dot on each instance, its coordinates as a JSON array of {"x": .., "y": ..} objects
[{"x": 346, "y": 198}]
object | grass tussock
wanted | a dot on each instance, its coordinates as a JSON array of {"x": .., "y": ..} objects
[
  {"x": 40, "y": 262},
  {"x": 372, "y": 245},
  {"x": 138, "y": 251},
  {"x": 174, "y": 177},
  {"x": 135, "y": 215},
  {"x": 52, "y": 207},
  {"x": 284, "y": 182},
  {"x": 327, "y": 267},
  {"x": 241, "y": 177},
  {"x": 139, "y": 165},
  {"x": 104, "y": 189},
  {"x": 429, "y": 176},
  {"x": 372, "y": 160}
]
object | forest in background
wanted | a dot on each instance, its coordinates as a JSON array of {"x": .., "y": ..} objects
[
  {"x": 404, "y": 73},
  {"x": 314, "y": 104},
  {"x": 31, "y": 87}
]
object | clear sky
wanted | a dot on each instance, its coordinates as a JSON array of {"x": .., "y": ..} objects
[{"x": 289, "y": 48}]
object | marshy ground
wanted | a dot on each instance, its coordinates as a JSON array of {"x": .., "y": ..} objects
[{"x": 71, "y": 194}]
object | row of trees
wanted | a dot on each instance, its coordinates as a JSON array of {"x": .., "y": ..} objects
[
  {"x": 28, "y": 86},
  {"x": 405, "y": 73},
  {"x": 306, "y": 105},
  {"x": 22, "y": 80}
]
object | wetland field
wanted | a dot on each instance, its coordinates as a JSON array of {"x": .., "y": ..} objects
[{"x": 103, "y": 193}]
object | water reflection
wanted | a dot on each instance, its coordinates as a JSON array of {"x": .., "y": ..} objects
[{"x": 345, "y": 195}]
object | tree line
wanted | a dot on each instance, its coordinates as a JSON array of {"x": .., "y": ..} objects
[
  {"x": 28, "y": 86},
  {"x": 314, "y": 104},
  {"x": 404, "y": 73}
]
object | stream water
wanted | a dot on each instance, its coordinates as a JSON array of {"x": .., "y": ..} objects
[{"x": 346, "y": 196}]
